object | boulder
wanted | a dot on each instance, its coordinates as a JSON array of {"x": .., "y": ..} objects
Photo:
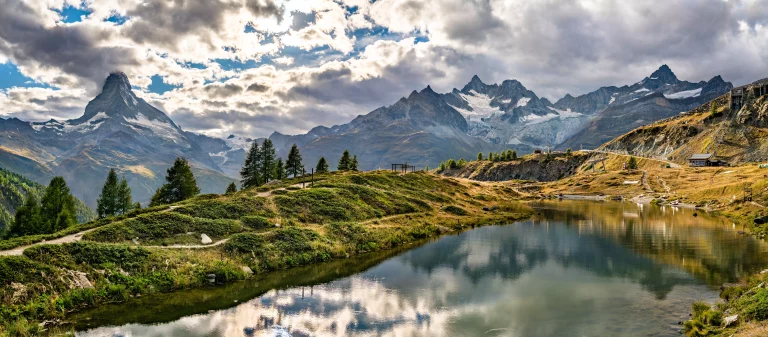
[
  {"x": 204, "y": 239},
  {"x": 730, "y": 320},
  {"x": 247, "y": 270}
]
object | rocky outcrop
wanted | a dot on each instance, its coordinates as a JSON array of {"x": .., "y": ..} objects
[{"x": 533, "y": 167}]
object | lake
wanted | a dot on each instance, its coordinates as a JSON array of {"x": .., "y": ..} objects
[{"x": 578, "y": 268}]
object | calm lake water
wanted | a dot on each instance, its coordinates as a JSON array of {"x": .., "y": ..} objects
[{"x": 577, "y": 269}]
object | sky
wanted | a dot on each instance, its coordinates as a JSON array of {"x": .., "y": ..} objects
[{"x": 252, "y": 67}]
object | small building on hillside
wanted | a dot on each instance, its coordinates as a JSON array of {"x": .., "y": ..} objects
[{"x": 704, "y": 159}]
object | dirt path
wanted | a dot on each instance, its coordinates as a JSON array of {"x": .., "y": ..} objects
[
  {"x": 269, "y": 193},
  {"x": 646, "y": 185},
  {"x": 64, "y": 239},
  {"x": 217, "y": 243},
  {"x": 671, "y": 164}
]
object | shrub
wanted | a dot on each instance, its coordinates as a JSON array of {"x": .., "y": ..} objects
[
  {"x": 255, "y": 222},
  {"x": 455, "y": 210},
  {"x": 755, "y": 306},
  {"x": 245, "y": 242},
  {"x": 161, "y": 225},
  {"x": 230, "y": 207}
]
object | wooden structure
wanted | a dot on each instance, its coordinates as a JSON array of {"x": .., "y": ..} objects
[
  {"x": 704, "y": 159},
  {"x": 747, "y": 193},
  {"x": 740, "y": 95},
  {"x": 403, "y": 168}
]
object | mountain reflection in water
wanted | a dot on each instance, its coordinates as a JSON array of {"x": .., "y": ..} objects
[{"x": 578, "y": 269}]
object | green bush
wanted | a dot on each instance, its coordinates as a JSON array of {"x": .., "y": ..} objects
[
  {"x": 229, "y": 207},
  {"x": 255, "y": 222},
  {"x": 95, "y": 254},
  {"x": 161, "y": 225},
  {"x": 455, "y": 210},
  {"x": 279, "y": 192},
  {"x": 755, "y": 306},
  {"x": 245, "y": 242}
]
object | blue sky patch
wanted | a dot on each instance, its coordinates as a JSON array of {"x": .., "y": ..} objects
[
  {"x": 72, "y": 14},
  {"x": 160, "y": 87},
  {"x": 117, "y": 19},
  {"x": 10, "y": 77}
]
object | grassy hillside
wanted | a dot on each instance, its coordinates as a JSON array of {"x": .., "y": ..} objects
[
  {"x": 14, "y": 189},
  {"x": 254, "y": 231},
  {"x": 735, "y": 136}
]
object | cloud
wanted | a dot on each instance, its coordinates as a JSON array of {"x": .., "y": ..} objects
[{"x": 303, "y": 63}]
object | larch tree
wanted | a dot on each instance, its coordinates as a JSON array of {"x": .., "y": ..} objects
[
  {"x": 251, "y": 171},
  {"x": 231, "y": 188},
  {"x": 267, "y": 161},
  {"x": 106, "y": 205},
  {"x": 322, "y": 166},
  {"x": 124, "y": 202},
  {"x": 479, "y": 156},
  {"x": 280, "y": 172},
  {"x": 293, "y": 165},
  {"x": 353, "y": 165},
  {"x": 345, "y": 161},
  {"x": 180, "y": 184},
  {"x": 57, "y": 206}
]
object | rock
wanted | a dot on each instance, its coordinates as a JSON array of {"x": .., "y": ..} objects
[
  {"x": 204, "y": 239},
  {"x": 247, "y": 270},
  {"x": 730, "y": 320},
  {"x": 19, "y": 292},
  {"x": 79, "y": 280},
  {"x": 135, "y": 241},
  {"x": 764, "y": 271}
]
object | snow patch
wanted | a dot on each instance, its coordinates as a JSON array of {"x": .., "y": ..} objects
[
  {"x": 642, "y": 90},
  {"x": 684, "y": 94},
  {"x": 480, "y": 104},
  {"x": 613, "y": 98},
  {"x": 159, "y": 128},
  {"x": 522, "y": 102}
]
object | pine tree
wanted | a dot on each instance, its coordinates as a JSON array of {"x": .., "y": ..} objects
[
  {"x": 124, "y": 202},
  {"x": 107, "y": 202},
  {"x": 441, "y": 168},
  {"x": 632, "y": 163},
  {"x": 293, "y": 165},
  {"x": 496, "y": 157},
  {"x": 267, "y": 161},
  {"x": 353, "y": 165},
  {"x": 27, "y": 218},
  {"x": 232, "y": 188},
  {"x": 57, "y": 209},
  {"x": 452, "y": 164},
  {"x": 568, "y": 152},
  {"x": 322, "y": 166},
  {"x": 713, "y": 108},
  {"x": 514, "y": 155},
  {"x": 490, "y": 156},
  {"x": 426, "y": 168},
  {"x": 280, "y": 169},
  {"x": 479, "y": 156},
  {"x": 137, "y": 206},
  {"x": 180, "y": 185},
  {"x": 344, "y": 162},
  {"x": 506, "y": 155},
  {"x": 250, "y": 172}
]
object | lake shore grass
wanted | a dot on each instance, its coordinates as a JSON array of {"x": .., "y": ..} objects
[{"x": 260, "y": 230}]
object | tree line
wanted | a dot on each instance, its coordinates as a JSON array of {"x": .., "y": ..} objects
[
  {"x": 262, "y": 165},
  {"x": 56, "y": 209}
]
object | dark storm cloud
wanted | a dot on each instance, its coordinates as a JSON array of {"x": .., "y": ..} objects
[
  {"x": 223, "y": 90},
  {"x": 72, "y": 50},
  {"x": 256, "y": 87}
]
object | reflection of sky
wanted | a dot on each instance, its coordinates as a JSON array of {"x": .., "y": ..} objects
[{"x": 527, "y": 279}]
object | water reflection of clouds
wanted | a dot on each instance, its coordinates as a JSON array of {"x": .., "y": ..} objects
[{"x": 528, "y": 279}]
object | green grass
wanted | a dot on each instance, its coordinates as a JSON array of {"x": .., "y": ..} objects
[{"x": 344, "y": 214}]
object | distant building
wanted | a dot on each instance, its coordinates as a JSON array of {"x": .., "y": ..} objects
[
  {"x": 742, "y": 94},
  {"x": 704, "y": 159}
]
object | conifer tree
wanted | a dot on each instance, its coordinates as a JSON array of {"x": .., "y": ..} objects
[
  {"x": 107, "y": 202},
  {"x": 490, "y": 156},
  {"x": 180, "y": 184},
  {"x": 27, "y": 218},
  {"x": 344, "y": 162},
  {"x": 57, "y": 207},
  {"x": 353, "y": 165},
  {"x": 267, "y": 161},
  {"x": 514, "y": 155},
  {"x": 322, "y": 166},
  {"x": 632, "y": 163},
  {"x": 293, "y": 165},
  {"x": 426, "y": 168},
  {"x": 568, "y": 152},
  {"x": 232, "y": 188},
  {"x": 479, "y": 156},
  {"x": 251, "y": 171},
  {"x": 280, "y": 169},
  {"x": 137, "y": 206},
  {"x": 441, "y": 168},
  {"x": 124, "y": 202}
]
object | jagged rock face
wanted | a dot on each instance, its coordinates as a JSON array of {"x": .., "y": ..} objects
[
  {"x": 117, "y": 130},
  {"x": 656, "y": 97},
  {"x": 733, "y": 136},
  {"x": 530, "y": 168}
]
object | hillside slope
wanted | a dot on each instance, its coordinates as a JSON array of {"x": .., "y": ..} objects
[
  {"x": 734, "y": 136},
  {"x": 13, "y": 190}
]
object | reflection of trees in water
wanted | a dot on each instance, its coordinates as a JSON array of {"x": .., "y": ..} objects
[{"x": 524, "y": 246}]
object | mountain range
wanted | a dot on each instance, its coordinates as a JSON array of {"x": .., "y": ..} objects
[
  {"x": 117, "y": 130},
  {"x": 120, "y": 130}
]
